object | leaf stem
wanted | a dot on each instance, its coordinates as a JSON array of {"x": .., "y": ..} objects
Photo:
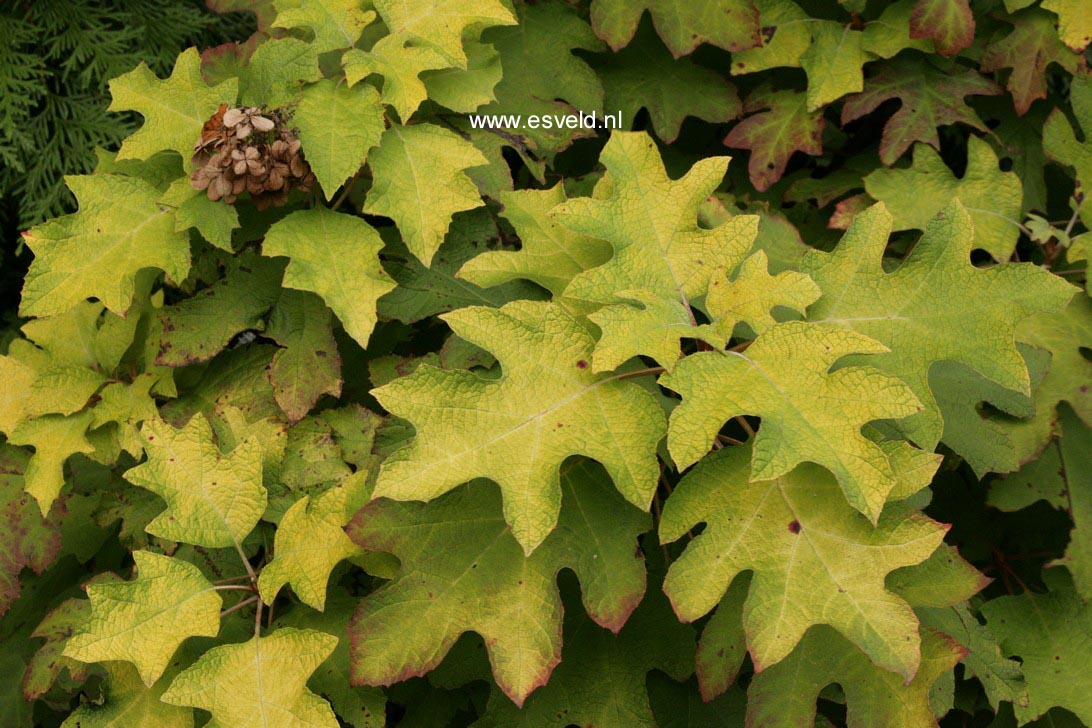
[
  {"x": 245, "y": 603},
  {"x": 243, "y": 577},
  {"x": 233, "y": 587},
  {"x": 640, "y": 373}
]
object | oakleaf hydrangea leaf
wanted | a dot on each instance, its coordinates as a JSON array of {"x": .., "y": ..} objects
[
  {"x": 419, "y": 180},
  {"x": 731, "y": 24},
  {"x": 1052, "y": 635},
  {"x": 1060, "y": 138},
  {"x": 336, "y": 256},
  {"x": 127, "y": 701},
  {"x": 834, "y": 63},
  {"x": 1074, "y": 22},
  {"x": 1032, "y": 45},
  {"x": 54, "y": 438},
  {"x": 935, "y": 306},
  {"x": 400, "y": 65},
  {"x": 929, "y": 99},
  {"x": 815, "y": 560},
  {"x": 31, "y": 541},
  {"x": 144, "y": 620},
  {"x": 198, "y": 328},
  {"x": 443, "y": 23},
  {"x": 785, "y": 694},
  {"x": 753, "y": 294},
  {"x": 126, "y": 404},
  {"x": 548, "y": 401},
  {"x": 336, "y": 23},
  {"x": 174, "y": 109},
  {"x": 193, "y": 209},
  {"x": 309, "y": 365},
  {"x": 891, "y": 33},
  {"x": 644, "y": 75},
  {"x": 808, "y": 413},
  {"x": 781, "y": 126},
  {"x": 15, "y": 397},
  {"x": 49, "y": 661},
  {"x": 260, "y": 683},
  {"x": 550, "y": 254},
  {"x": 462, "y": 569},
  {"x": 1063, "y": 334},
  {"x": 949, "y": 23},
  {"x": 423, "y": 292},
  {"x": 790, "y": 38},
  {"x": 652, "y": 639},
  {"x": 273, "y": 75},
  {"x": 915, "y": 195},
  {"x": 98, "y": 251},
  {"x": 651, "y": 221},
  {"x": 465, "y": 89},
  {"x": 543, "y": 76},
  {"x": 338, "y": 124},
  {"x": 213, "y": 499},
  {"x": 649, "y": 324},
  {"x": 311, "y": 540}
]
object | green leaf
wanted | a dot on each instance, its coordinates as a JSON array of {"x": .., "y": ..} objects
[
  {"x": 808, "y": 414},
  {"x": 98, "y": 251},
  {"x": 126, "y": 405},
  {"x": 815, "y": 560},
  {"x": 731, "y": 24},
  {"x": 1060, "y": 138},
  {"x": 174, "y": 109},
  {"x": 214, "y": 220},
  {"x": 781, "y": 126},
  {"x": 465, "y": 89},
  {"x": 443, "y": 23},
  {"x": 273, "y": 75},
  {"x": 949, "y": 23},
  {"x": 785, "y": 694},
  {"x": 213, "y": 500},
  {"x": 462, "y": 569},
  {"x": 651, "y": 221},
  {"x": 929, "y": 98},
  {"x": 542, "y": 75},
  {"x": 310, "y": 542},
  {"x": 893, "y": 32},
  {"x": 935, "y": 306},
  {"x": 261, "y": 682},
  {"x": 143, "y": 621},
  {"x": 54, "y": 438},
  {"x": 419, "y": 180},
  {"x": 336, "y": 23},
  {"x": 1052, "y": 635},
  {"x": 336, "y": 256},
  {"x": 49, "y": 662},
  {"x": 127, "y": 701},
  {"x": 550, "y": 254},
  {"x": 753, "y": 294},
  {"x": 423, "y": 292},
  {"x": 915, "y": 195},
  {"x": 723, "y": 643},
  {"x": 644, "y": 75},
  {"x": 1001, "y": 678},
  {"x": 198, "y": 328},
  {"x": 338, "y": 124},
  {"x": 652, "y": 639},
  {"x": 547, "y": 401},
  {"x": 309, "y": 365},
  {"x": 1032, "y": 45},
  {"x": 834, "y": 63}
]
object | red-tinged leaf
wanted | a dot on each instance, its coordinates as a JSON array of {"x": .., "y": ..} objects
[
  {"x": 949, "y": 23},
  {"x": 783, "y": 125},
  {"x": 29, "y": 540},
  {"x": 1032, "y": 45},
  {"x": 930, "y": 99}
]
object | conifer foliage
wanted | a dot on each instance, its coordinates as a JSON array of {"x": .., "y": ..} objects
[{"x": 334, "y": 405}]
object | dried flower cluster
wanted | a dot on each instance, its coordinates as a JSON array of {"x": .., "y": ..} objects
[{"x": 251, "y": 150}]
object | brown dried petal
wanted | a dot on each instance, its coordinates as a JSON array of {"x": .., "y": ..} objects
[{"x": 232, "y": 117}]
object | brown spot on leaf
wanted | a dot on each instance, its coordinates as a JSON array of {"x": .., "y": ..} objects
[{"x": 794, "y": 526}]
